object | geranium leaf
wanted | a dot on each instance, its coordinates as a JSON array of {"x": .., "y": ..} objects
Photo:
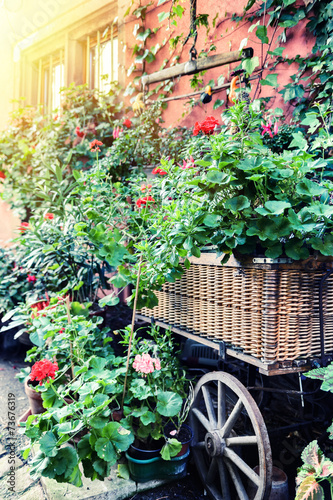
[
  {"x": 48, "y": 444},
  {"x": 238, "y": 203},
  {"x": 84, "y": 447},
  {"x": 105, "y": 450},
  {"x": 120, "y": 437},
  {"x": 169, "y": 404}
]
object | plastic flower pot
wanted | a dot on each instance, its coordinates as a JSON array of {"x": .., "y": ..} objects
[
  {"x": 142, "y": 471},
  {"x": 146, "y": 453},
  {"x": 185, "y": 436}
]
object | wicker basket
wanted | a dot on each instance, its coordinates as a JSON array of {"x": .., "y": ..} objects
[{"x": 268, "y": 310}]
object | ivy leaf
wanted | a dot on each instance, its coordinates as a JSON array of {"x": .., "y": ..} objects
[
  {"x": 162, "y": 16},
  {"x": 309, "y": 489},
  {"x": 270, "y": 79},
  {"x": 250, "y": 64},
  {"x": 288, "y": 2},
  {"x": 261, "y": 33},
  {"x": 238, "y": 203},
  {"x": 143, "y": 35},
  {"x": 218, "y": 103},
  {"x": 299, "y": 142},
  {"x": 276, "y": 52}
]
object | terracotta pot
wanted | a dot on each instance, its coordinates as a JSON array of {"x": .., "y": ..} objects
[{"x": 35, "y": 398}]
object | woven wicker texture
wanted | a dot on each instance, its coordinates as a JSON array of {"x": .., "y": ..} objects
[{"x": 272, "y": 314}]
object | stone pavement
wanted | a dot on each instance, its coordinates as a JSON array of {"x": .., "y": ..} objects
[{"x": 15, "y": 481}]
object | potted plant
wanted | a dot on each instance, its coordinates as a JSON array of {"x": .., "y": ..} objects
[{"x": 156, "y": 403}]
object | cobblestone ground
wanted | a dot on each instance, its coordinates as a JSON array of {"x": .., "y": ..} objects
[{"x": 15, "y": 481}]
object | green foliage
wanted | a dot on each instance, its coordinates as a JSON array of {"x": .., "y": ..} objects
[
  {"x": 39, "y": 154},
  {"x": 316, "y": 467}
]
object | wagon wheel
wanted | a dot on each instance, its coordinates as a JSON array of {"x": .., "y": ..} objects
[{"x": 230, "y": 439}]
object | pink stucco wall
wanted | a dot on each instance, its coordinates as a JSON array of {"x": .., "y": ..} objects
[{"x": 227, "y": 36}]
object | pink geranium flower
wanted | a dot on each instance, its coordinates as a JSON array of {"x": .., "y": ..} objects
[{"x": 144, "y": 363}]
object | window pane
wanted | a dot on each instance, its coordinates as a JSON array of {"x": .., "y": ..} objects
[
  {"x": 57, "y": 83},
  {"x": 108, "y": 60}
]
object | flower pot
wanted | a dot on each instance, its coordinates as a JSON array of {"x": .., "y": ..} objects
[
  {"x": 140, "y": 452},
  {"x": 35, "y": 398},
  {"x": 185, "y": 436},
  {"x": 142, "y": 471}
]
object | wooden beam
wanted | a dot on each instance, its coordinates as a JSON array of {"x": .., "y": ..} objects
[{"x": 195, "y": 66}]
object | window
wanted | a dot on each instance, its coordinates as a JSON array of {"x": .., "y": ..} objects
[
  {"x": 102, "y": 58},
  {"x": 50, "y": 81}
]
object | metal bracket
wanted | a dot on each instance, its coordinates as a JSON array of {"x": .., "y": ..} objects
[{"x": 222, "y": 351}]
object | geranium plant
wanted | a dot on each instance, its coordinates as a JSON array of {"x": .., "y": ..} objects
[{"x": 157, "y": 391}]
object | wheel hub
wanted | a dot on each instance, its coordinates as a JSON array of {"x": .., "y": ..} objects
[{"x": 215, "y": 445}]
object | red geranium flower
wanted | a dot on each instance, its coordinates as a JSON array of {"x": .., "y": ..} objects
[
  {"x": 31, "y": 278},
  {"x": 160, "y": 171},
  {"x": 127, "y": 123},
  {"x": 207, "y": 126},
  {"x": 144, "y": 187},
  {"x": 24, "y": 226},
  {"x": 2, "y": 175},
  {"x": 79, "y": 133},
  {"x": 94, "y": 145},
  {"x": 49, "y": 216},
  {"x": 144, "y": 201},
  {"x": 197, "y": 128},
  {"x": 43, "y": 370}
]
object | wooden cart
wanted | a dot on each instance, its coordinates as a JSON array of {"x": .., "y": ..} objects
[{"x": 275, "y": 316}]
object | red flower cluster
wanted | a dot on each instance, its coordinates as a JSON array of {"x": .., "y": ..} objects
[
  {"x": 160, "y": 171},
  {"x": 79, "y": 133},
  {"x": 2, "y": 175},
  {"x": 127, "y": 123},
  {"x": 40, "y": 305},
  {"x": 43, "y": 370},
  {"x": 144, "y": 187},
  {"x": 144, "y": 201},
  {"x": 207, "y": 126},
  {"x": 94, "y": 145},
  {"x": 31, "y": 278},
  {"x": 24, "y": 226},
  {"x": 49, "y": 216}
]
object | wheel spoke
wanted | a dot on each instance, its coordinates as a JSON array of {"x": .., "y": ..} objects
[
  {"x": 239, "y": 462},
  {"x": 241, "y": 440},
  {"x": 227, "y": 428},
  {"x": 237, "y": 481},
  {"x": 209, "y": 406},
  {"x": 212, "y": 470},
  {"x": 221, "y": 409},
  {"x": 224, "y": 480},
  {"x": 202, "y": 419}
]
